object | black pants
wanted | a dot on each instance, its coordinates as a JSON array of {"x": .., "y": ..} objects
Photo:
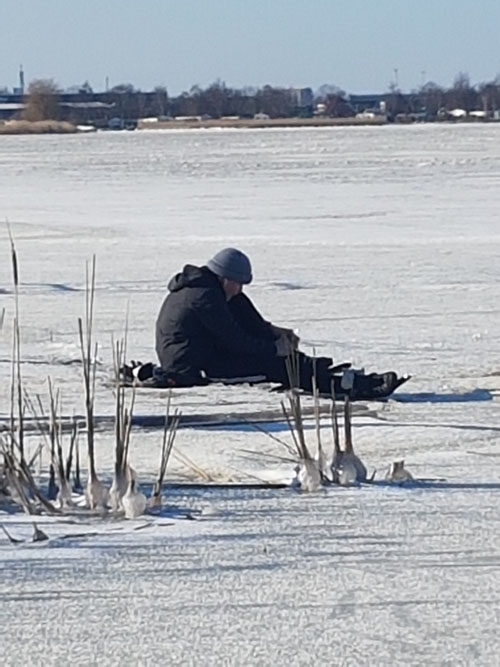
[{"x": 276, "y": 369}]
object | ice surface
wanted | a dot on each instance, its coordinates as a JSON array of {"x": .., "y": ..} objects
[{"x": 380, "y": 245}]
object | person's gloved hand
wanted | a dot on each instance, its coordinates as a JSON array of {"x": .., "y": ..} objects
[
  {"x": 284, "y": 346},
  {"x": 287, "y": 333}
]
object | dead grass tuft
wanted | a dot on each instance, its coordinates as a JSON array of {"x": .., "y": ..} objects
[{"x": 37, "y": 127}]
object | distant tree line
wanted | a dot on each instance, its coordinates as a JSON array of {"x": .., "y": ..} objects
[
  {"x": 45, "y": 101},
  {"x": 432, "y": 98}
]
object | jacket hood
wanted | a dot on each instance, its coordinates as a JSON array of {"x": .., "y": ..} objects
[{"x": 193, "y": 276}]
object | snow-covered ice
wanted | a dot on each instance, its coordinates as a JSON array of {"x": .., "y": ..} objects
[{"x": 380, "y": 245}]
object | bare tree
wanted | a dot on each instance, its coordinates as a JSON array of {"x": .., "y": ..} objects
[
  {"x": 188, "y": 104},
  {"x": 243, "y": 104},
  {"x": 395, "y": 102},
  {"x": 275, "y": 102},
  {"x": 489, "y": 94},
  {"x": 41, "y": 101},
  {"x": 85, "y": 88},
  {"x": 214, "y": 100},
  {"x": 126, "y": 99},
  {"x": 462, "y": 95},
  {"x": 336, "y": 106},
  {"x": 329, "y": 89},
  {"x": 161, "y": 101},
  {"x": 431, "y": 98}
]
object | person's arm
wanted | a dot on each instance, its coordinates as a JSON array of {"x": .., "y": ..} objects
[
  {"x": 215, "y": 315},
  {"x": 252, "y": 321},
  {"x": 249, "y": 318}
]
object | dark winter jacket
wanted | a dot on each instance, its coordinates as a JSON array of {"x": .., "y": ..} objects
[{"x": 196, "y": 323}]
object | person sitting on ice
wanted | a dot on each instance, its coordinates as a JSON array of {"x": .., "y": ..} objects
[{"x": 208, "y": 330}]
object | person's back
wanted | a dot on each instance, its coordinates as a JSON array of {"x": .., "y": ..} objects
[{"x": 182, "y": 343}]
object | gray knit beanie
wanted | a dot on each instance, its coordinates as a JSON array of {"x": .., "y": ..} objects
[{"x": 231, "y": 264}]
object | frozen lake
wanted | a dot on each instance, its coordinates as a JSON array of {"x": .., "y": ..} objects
[{"x": 380, "y": 245}]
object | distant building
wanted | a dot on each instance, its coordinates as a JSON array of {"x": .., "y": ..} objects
[
  {"x": 303, "y": 97},
  {"x": 372, "y": 103},
  {"x": 19, "y": 90},
  {"x": 302, "y": 100},
  {"x": 9, "y": 110}
]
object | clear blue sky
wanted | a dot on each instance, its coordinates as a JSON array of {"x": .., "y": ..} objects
[{"x": 355, "y": 44}]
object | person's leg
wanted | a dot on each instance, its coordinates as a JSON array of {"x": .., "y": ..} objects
[
  {"x": 355, "y": 384},
  {"x": 302, "y": 369},
  {"x": 226, "y": 367},
  {"x": 296, "y": 371}
]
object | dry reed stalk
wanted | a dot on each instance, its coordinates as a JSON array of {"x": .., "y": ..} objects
[
  {"x": 337, "y": 452},
  {"x": 183, "y": 458},
  {"x": 347, "y": 426},
  {"x": 12, "y": 540},
  {"x": 296, "y": 423},
  {"x": 88, "y": 369},
  {"x": 309, "y": 473},
  {"x": 293, "y": 370},
  {"x": 20, "y": 479},
  {"x": 294, "y": 414},
  {"x": 38, "y": 453},
  {"x": 18, "y": 470},
  {"x": 268, "y": 455},
  {"x": 96, "y": 493},
  {"x": 59, "y": 463},
  {"x": 39, "y": 420},
  {"x": 49, "y": 440},
  {"x": 127, "y": 425},
  {"x": 245, "y": 473},
  {"x": 55, "y": 445},
  {"x": 77, "y": 483},
  {"x": 14, "y": 483},
  {"x": 16, "y": 381},
  {"x": 30, "y": 482},
  {"x": 269, "y": 435},
  {"x": 123, "y": 425},
  {"x": 335, "y": 422},
  {"x": 309, "y": 476},
  {"x": 12, "y": 430},
  {"x": 72, "y": 444},
  {"x": 346, "y": 467},
  {"x": 14, "y": 460},
  {"x": 37, "y": 127},
  {"x": 169, "y": 433},
  {"x": 317, "y": 420},
  {"x": 290, "y": 426}
]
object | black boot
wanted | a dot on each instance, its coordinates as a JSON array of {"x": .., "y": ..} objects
[{"x": 374, "y": 386}]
